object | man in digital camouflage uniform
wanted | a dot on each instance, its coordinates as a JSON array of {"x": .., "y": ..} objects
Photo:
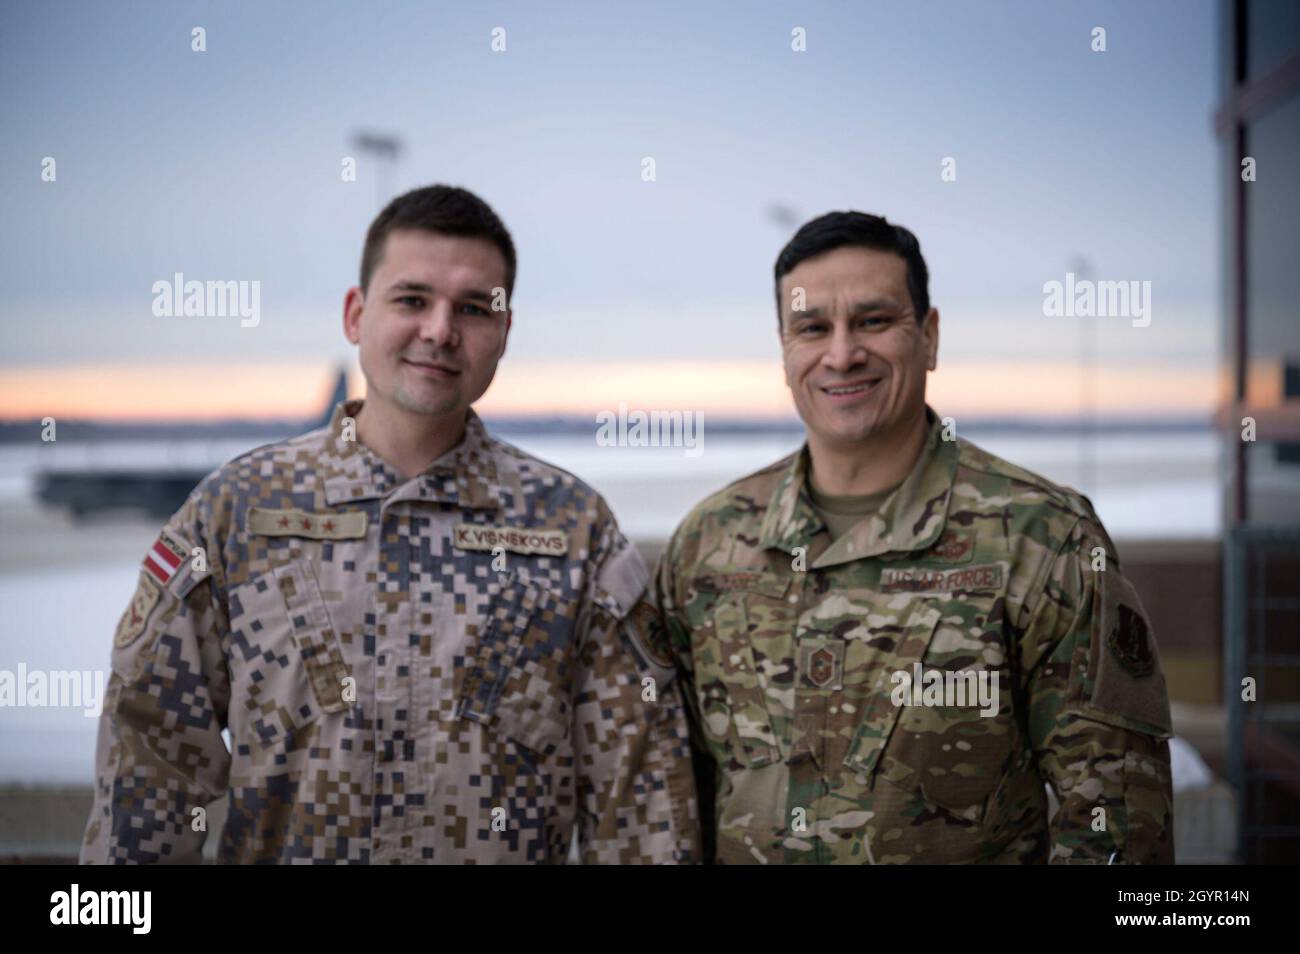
[
  {"x": 818, "y": 609},
  {"x": 426, "y": 644}
]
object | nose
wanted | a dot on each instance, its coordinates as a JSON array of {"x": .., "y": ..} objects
[
  {"x": 844, "y": 352},
  {"x": 438, "y": 327}
]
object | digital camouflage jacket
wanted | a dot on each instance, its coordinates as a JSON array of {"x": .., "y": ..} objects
[{"x": 448, "y": 668}]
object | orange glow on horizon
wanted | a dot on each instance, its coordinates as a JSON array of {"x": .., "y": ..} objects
[
  {"x": 740, "y": 389},
  {"x": 168, "y": 392}
]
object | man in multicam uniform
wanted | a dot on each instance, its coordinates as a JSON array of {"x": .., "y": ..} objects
[
  {"x": 817, "y": 608},
  {"x": 426, "y": 644}
]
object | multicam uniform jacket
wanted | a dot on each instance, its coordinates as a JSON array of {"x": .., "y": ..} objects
[
  {"x": 448, "y": 668},
  {"x": 792, "y": 648}
]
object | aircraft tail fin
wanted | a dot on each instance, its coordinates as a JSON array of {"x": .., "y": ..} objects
[{"x": 339, "y": 395}]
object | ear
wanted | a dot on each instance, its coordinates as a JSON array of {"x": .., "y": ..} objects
[
  {"x": 505, "y": 335},
  {"x": 930, "y": 331},
  {"x": 354, "y": 304},
  {"x": 780, "y": 310}
]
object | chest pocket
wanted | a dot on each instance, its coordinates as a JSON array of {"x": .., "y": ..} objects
[
  {"x": 955, "y": 744},
  {"x": 520, "y": 680},
  {"x": 286, "y": 660},
  {"x": 743, "y": 666}
]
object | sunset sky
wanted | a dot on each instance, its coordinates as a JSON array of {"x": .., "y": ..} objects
[
  {"x": 225, "y": 165},
  {"x": 731, "y": 389}
]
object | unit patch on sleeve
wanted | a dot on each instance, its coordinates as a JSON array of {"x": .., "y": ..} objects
[{"x": 136, "y": 617}]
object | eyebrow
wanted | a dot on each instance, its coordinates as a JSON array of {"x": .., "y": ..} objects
[
  {"x": 873, "y": 304},
  {"x": 410, "y": 286},
  {"x": 472, "y": 294}
]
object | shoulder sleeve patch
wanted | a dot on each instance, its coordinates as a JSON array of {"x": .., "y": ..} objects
[
  {"x": 648, "y": 637},
  {"x": 136, "y": 616},
  {"x": 1127, "y": 682},
  {"x": 622, "y": 590}
]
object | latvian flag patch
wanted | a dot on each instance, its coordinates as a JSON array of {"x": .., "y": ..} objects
[{"x": 167, "y": 555}]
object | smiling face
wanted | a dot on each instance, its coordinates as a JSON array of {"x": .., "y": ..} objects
[
  {"x": 429, "y": 339},
  {"x": 855, "y": 356}
]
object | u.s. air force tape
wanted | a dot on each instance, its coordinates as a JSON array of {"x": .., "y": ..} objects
[
  {"x": 929, "y": 581},
  {"x": 470, "y": 536}
]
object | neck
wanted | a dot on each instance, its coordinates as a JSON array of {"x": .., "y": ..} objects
[
  {"x": 406, "y": 441},
  {"x": 870, "y": 466}
]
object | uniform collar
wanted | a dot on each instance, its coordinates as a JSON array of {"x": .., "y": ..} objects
[
  {"x": 911, "y": 518},
  {"x": 465, "y": 476}
]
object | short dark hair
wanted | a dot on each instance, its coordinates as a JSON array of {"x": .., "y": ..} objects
[
  {"x": 838, "y": 229},
  {"x": 450, "y": 210}
]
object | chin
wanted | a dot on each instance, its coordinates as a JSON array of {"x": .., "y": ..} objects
[
  {"x": 841, "y": 436},
  {"x": 857, "y": 436},
  {"x": 430, "y": 406}
]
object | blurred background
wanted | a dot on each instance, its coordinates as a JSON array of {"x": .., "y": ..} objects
[{"x": 650, "y": 163}]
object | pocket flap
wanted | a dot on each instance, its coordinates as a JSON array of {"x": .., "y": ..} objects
[
  {"x": 950, "y": 737},
  {"x": 732, "y": 692},
  {"x": 880, "y": 713},
  {"x": 314, "y": 634},
  {"x": 520, "y": 679}
]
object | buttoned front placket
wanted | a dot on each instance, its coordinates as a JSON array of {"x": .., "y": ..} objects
[
  {"x": 398, "y": 793},
  {"x": 909, "y": 519},
  {"x": 383, "y": 584},
  {"x": 410, "y": 604},
  {"x": 795, "y": 537},
  {"x": 416, "y": 608}
]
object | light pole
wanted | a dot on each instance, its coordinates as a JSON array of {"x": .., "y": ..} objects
[
  {"x": 385, "y": 149},
  {"x": 1087, "y": 387}
]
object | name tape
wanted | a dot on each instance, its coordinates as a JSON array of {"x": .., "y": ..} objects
[{"x": 470, "y": 536}]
